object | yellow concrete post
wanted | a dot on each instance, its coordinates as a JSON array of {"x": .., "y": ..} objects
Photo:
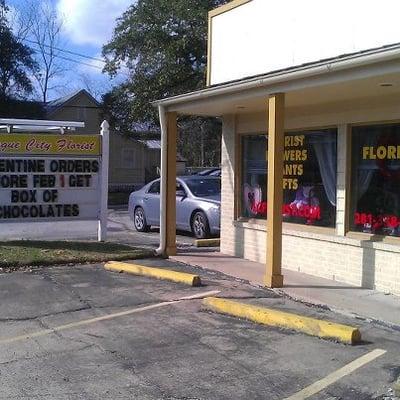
[
  {"x": 172, "y": 130},
  {"x": 276, "y": 107}
]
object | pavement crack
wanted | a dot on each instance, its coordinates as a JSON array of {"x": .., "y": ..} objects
[
  {"x": 4, "y": 363},
  {"x": 89, "y": 307},
  {"x": 127, "y": 363},
  {"x": 37, "y": 317},
  {"x": 240, "y": 366},
  {"x": 146, "y": 303},
  {"x": 52, "y": 279}
]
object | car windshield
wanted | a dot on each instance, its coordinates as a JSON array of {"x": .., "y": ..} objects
[{"x": 204, "y": 187}]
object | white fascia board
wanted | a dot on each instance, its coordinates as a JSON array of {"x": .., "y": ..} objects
[{"x": 373, "y": 63}]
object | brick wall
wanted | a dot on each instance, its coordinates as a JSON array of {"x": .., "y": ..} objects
[{"x": 344, "y": 259}]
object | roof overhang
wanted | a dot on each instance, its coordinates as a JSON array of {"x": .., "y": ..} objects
[{"x": 346, "y": 78}]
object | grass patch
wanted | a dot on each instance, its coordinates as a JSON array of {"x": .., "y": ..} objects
[{"x": 22, "y": 253}]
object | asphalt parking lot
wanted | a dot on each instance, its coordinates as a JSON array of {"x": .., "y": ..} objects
[{"x": 81, "y": 332}]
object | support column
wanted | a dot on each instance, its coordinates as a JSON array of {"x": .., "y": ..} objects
[
  {"x": 276, "y": 108},
  {"x": 172, "y": 130},
  {"x": 343, "y": 179}
]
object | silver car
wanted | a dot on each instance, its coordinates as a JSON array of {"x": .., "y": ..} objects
[{"x": 198, "y": 200}]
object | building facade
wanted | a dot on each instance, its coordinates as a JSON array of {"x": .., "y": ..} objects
[{"x": 310, "y": 149}]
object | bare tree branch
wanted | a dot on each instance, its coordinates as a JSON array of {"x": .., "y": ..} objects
[
  {"x": 95, "y": 87},
  {"x": 41, "y": 27}
]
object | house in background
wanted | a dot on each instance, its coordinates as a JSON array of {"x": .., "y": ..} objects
[
  {"x": 78, "y": 106},
  {"x": 135, "y": 162}
]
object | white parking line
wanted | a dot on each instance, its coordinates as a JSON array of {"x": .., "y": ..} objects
[
  {"x": 105, "y": 318},
  {"x": 335, "y": 376}
]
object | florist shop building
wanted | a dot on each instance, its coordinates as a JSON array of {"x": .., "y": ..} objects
[{"x": 310, "y": 152}]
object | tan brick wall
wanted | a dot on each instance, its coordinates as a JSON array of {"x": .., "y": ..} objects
[
  {"x": 227, "y": 184},
  {"x": 330, "y": 254},
  {"x": 343, "y": 259}
]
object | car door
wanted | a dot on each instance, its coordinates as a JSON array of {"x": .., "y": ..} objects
[
  {"x": 184, "y": 207},
  {"x": 151, "y": 203},
  {"x": 181, "y": 202}
]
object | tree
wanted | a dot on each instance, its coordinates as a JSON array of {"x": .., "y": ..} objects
[
  {"x": 16, "y": 62},
  {"x": 200, "y": 141},
  {"x": 162, "y": 45},
  {"x": 41, "y": 27},
  {"x": 96, "y": 87}
]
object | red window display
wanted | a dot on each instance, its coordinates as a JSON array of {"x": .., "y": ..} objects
[
  {"x": 375, "y": 188},
  {"x": 309, "y": 177}
]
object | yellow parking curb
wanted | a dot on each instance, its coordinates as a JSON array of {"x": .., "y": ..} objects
[
  {"x": 207, "y": 242},
  {"x": 267, "y": 316},
  {"x": 158, "y": 273}
]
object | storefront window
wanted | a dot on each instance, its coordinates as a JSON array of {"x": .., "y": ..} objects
[
  {"x": 375, "y": 189},
  {"x": 309, "y": 177}
]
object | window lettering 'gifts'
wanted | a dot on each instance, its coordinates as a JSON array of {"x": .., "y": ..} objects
[{"x": 309, "y": 177}]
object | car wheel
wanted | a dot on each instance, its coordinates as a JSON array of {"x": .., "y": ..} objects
[
  {"x": 200, "y": 226},
  {"x": 139, "y": 220}
]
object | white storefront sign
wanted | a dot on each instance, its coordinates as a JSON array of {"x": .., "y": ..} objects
[
  {"x": 42, "y": 189},
  {"x": 53, "y": 177},
  {"x": 261, "y": 36}
]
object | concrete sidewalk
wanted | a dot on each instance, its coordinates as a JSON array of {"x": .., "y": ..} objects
[{"x": 350, "y": 300}]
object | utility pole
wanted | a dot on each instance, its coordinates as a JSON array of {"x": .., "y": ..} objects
[{"x": 202, "y": 133}]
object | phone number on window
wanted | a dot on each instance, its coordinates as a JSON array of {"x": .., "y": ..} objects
[{"x": 376, "y": 221}]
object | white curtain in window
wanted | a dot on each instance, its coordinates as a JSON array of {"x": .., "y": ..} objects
[
  {"x": 326, "y": 155},
  {"x": 364, "y": 174},
  {"x": 364, "y": 180}
]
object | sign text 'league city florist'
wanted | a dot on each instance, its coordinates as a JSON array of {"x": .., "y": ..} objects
[{"x": 49, "y": 177}]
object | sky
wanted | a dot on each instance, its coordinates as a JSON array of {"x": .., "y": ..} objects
[{"x": 88, "y": 25}]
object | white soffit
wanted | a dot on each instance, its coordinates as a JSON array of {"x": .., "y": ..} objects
[{"x": 267, "y": 35}]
